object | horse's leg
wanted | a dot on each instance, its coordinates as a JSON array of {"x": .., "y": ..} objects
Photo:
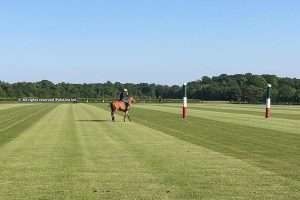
[
  {"x": 128, "y": 116},
  {"x": 128, "y": 108},
  {"x": 113, "y": 116},
  {"x": 125, "y": 115},
  {"x": 113, "y": 111}
]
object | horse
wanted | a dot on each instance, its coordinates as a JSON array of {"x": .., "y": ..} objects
[{"x": 118, "y": 105}]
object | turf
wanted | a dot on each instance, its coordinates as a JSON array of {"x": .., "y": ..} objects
[
  {"x": 15, "y": 119},
  {"x": 257, "y": 112},
  {"x": 74, "y": 151},
  {"x": 284, "y": 125}
]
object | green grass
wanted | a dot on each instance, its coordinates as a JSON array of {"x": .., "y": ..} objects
[
  {"x": 74, "y": 151},
  {"x": 15, "y": 119},
  {"x": 263, "y": 147},
  {"x": 257, "y": 112}
]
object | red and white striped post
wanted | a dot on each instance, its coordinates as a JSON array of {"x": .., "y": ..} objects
[
  {"x": 184, "y": 106},
  {"x": 268, "y": 101}
]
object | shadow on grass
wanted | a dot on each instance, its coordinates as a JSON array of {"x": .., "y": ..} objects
[{"x": 93, "y": 120}]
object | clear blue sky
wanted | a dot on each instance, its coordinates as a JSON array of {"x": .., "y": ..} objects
[{"x": 161, "y": 41}]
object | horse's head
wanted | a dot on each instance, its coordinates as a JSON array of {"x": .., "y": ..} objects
[{"x": 131, "y": 100}]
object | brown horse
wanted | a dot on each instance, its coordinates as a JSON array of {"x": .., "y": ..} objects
[{"x": 118, "y": 105}]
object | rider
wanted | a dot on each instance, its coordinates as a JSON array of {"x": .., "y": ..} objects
[{"x": 125, "y": 98}]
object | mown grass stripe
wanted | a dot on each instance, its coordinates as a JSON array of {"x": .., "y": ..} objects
[
  {"x": 284, "y": 125},
  {"x": 5, "y": 106},
  {"x": 109, "y": 163},
  {"x": 181, "y": 163},
  {"x": 41, "y": 163},
  {"x": 15, "y": 116},
  {"x": 248, "y": 112},
  {"x": 21, "y": 120},
  {"x": 291, "y": 110},
  {"x": 8, "y": 115},
  {"x": 273, "y": 150}
]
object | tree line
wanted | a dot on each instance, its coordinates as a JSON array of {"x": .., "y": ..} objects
[{"x": 247, "y": 88}]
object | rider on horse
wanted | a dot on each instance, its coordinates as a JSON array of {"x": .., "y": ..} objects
[
  {"x": 122, "y": 104},
  {"x": 125, "y": 98}
]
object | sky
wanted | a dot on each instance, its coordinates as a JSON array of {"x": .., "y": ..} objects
[{"x": 154, "y": 41}]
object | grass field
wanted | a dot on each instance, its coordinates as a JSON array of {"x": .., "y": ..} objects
[{"x": 222, "y": 151}]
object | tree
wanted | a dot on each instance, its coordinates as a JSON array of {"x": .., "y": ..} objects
[
  {"x": 297, "y": 96},
  {"x": 257, "y": 81},
  {"x": 239, "y": 87},
  {"x": 206, "y": 80},
  {"x": 233, "y": 93},
  {"x": 2, "y": 93},
  {"x": 271, "y": 79},
  {"x": 232, "y": 90},
  {"x": 286, "y": 93},
  {"x": 253, "y": 94}
]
